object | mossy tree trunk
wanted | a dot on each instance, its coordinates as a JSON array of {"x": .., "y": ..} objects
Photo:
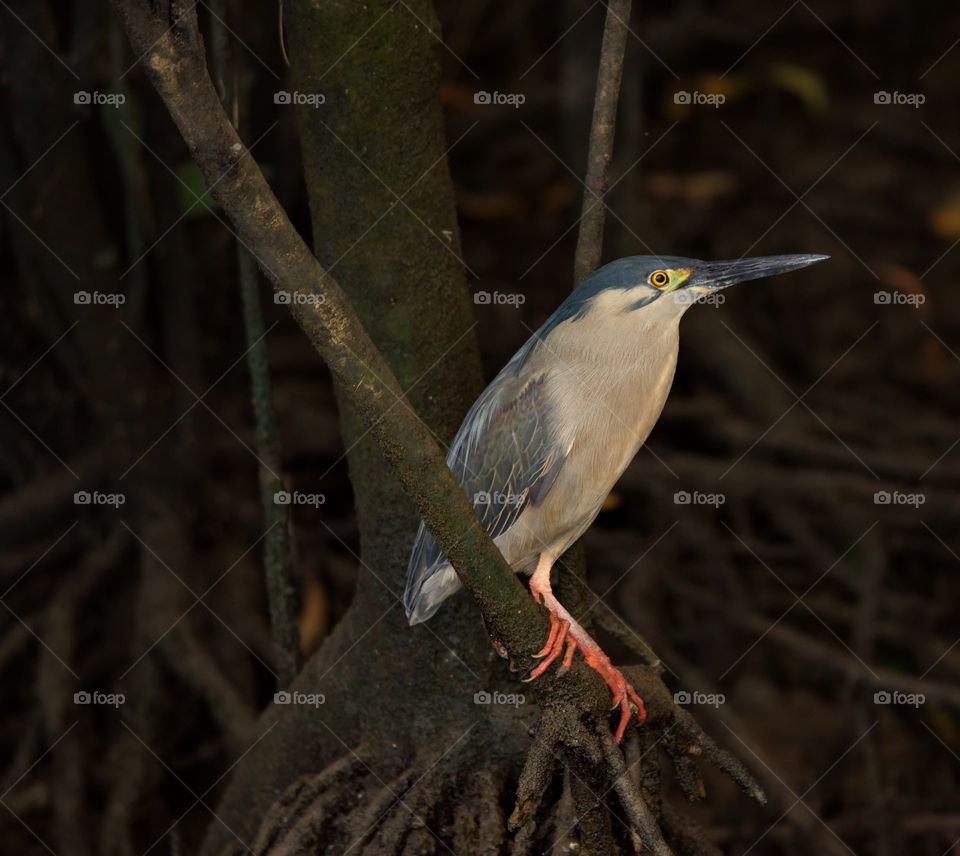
[{"x": 399, "y": 701}]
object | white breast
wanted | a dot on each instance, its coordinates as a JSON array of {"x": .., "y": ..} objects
[{"x": 608, "y": 384}]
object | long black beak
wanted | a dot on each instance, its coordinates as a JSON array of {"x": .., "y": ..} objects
[{"x": 713, "y": 275}]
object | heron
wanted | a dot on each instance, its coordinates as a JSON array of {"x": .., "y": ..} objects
[{"x": 544, "y": 444}]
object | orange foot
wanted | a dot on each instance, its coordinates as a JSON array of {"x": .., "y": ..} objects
[{"x": 565, "y": 630}]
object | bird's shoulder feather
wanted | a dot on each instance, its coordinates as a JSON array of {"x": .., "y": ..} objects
[{"x": 506, "y": 455}]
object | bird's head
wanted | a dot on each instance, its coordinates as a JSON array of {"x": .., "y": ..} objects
[
  {"x": 636, "y": 282},
  {"x": 649, "y": 292}
]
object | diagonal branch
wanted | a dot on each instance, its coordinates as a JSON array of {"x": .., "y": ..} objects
[{"x": 173, "y": 57}]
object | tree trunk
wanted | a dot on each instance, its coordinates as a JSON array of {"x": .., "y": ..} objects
[{"x": 397, "y": 699}]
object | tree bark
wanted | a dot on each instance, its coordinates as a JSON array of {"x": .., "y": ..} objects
[{"x": 379, "y": 142}]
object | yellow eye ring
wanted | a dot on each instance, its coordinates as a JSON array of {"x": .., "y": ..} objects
[{"x": 659, "y": 278}]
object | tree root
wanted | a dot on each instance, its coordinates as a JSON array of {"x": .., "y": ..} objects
[
  {"x": 678, "y": 732},
  {"x": 55, "y": 688},
  {"x": 494, "y": 820},
  {"x": 314, "y": 797},
  {"x": 608, "y": 799},
  {"x": 362, "y": 824},
  {"x": 642, "y": 821},
  {"x": 346, "y": 807},
  {"x": 597, "y": 764},
  {"x": 564, "y": 821},
  {"x": 410, "y": 824}
]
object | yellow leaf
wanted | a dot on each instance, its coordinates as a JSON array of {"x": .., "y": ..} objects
[{"x": 807, "y": 85}]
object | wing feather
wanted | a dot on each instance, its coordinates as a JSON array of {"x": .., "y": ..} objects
[{"x": 506, "y": 455}]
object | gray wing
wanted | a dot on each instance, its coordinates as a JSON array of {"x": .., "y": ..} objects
[{"x": 505, "y": 456}]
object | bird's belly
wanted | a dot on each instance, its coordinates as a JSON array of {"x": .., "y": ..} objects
[{"x": 608, "y": 433}]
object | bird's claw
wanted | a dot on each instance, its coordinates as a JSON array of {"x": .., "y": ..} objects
[
  {"x": 558, "y": 630},
  {"x": 624, "y": 695}
]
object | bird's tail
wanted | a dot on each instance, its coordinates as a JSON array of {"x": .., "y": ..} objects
[
  {"x": 430, "y": 578},
  {"x": 436, "y": 588}
]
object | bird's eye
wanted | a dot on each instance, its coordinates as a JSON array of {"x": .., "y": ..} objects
[{"x": 659, "y": 278}]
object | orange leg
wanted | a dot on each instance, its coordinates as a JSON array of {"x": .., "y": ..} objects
[{"x": 564, "y": 628}]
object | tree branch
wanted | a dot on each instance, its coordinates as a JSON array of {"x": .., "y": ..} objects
[
  {"x": 602, "y": 128},
  {"x": 173, "y": 57}
]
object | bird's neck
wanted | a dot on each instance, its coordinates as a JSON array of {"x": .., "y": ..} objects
[{"x": 615, "y": 383}]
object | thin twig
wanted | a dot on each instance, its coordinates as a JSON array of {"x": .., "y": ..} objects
[
  {"x": 602, "y": 128},
  {"x": 277, "y": 561}
]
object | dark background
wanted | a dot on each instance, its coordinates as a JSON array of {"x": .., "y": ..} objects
[{"x": 797, "y": 400}]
